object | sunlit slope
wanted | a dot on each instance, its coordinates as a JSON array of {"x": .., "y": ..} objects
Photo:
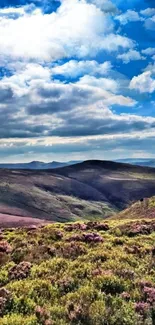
[{"x": 141, "y": 209}]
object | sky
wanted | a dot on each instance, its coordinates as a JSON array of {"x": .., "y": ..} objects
[{"x": 77, "y": 79}]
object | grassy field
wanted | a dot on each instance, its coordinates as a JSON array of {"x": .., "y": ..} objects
[{"x": 78, "y": 274}]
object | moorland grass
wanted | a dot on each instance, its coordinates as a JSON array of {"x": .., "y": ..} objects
[{"x": 80, "y": 273}]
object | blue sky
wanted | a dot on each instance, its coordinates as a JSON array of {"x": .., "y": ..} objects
[{"x": 77, "y": 79}]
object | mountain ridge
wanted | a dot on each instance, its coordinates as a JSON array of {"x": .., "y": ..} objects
[
  {"x": 150, "y": 162},
  {"x": 37, "y": 165}
]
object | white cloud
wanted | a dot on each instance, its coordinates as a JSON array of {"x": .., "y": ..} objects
[
  {"x": 149, "y": 51},
  {"x": 150, "y": 23},
  {"x": 73, "y": 68},
  {"x": 144, "y": 83},
  {"x": 31, "y": 71},
  {"x": 77, "y": 29},
  {"x": 148, "y": 12},
  {"x": 128, "y": 16},
  {"x": 35, "y": 105},
  {"x": 113, "y": 42},
  {"x": 103, "y": 83},
  {"x": 105, "y": 5},
  {"x": 33, "y": 84},
  {"x": 12, "y": 10},
  {"x": 46, "y": 115},
  {"x": 150, "y": 67},
  {"x": 131, "y": 55},
  {"x": 22, "y": 79},
  {"x": 108, "y": 88}
]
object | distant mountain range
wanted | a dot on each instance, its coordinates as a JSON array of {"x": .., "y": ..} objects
[
  {"x": 38, "y": 165},
  {"x": 149, "y": 162},
  {"x": 34, "y": 165}
]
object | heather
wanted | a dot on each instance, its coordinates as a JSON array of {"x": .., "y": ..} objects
[{"x": 92, "y": 273}]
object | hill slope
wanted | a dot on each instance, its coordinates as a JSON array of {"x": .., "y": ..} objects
[
  {"x": 87, "y": 190},
  {"x": 139, "y": 210},
  {"x": 120, "y": 183}
]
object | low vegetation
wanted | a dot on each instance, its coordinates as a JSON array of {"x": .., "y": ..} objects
[
  {"x": 144, "y": 208},
  {"x": 79, "y": 273}
]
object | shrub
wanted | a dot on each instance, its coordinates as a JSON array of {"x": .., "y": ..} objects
[
  {"x": 73, "y": 250},
  {"x": 120, "y": 312},
  {"x": 20, "y": 271},
  {"x": 66, "y": 285},
  {"x": 23, "y": 305},
  {"x": 110, "y": 284},
  {"x": 142, "y": 308},
  {"x": 18, "y": 254},
  {"x": 97, "y": 313},
  {"x": 5, "y": 247}
]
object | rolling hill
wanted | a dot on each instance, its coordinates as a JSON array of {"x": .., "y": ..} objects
[{"x": 92, "y": 189}]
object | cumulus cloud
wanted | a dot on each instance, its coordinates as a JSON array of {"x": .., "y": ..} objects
[
  {"x": 144, "y": 83},
  {"x": 49, "y": 110},
  {"x": 12, "y": 11},
  {"x": 105, "y": 5},
  {"x": 60, "y": 98},
  {"x": 150, "y": 67},
  {"x": 55, "y": 94},
  {"x": 128, "y": 16},
  {"x": 131, "y": 55},
  {"x": 150, "y": 23},
  {"x": 48, "y": 37},
  {"x": 74, "y": 68},
  {"x": 32, "y": 104},
  {"x": 148, "y": 12},
  {"x": 103, "y": 83},
  {"x": 114, "y": 42},
  {"x": 149, "y": 51}
]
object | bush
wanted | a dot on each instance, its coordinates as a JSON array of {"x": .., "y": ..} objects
[
  {"x": 97, "y": 313},
  {"x": 110, "y": 284},
  {"x": 120, "y": 312}
]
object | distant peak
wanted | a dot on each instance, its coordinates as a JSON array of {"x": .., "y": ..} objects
[{"x": 36, "y": 162}]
